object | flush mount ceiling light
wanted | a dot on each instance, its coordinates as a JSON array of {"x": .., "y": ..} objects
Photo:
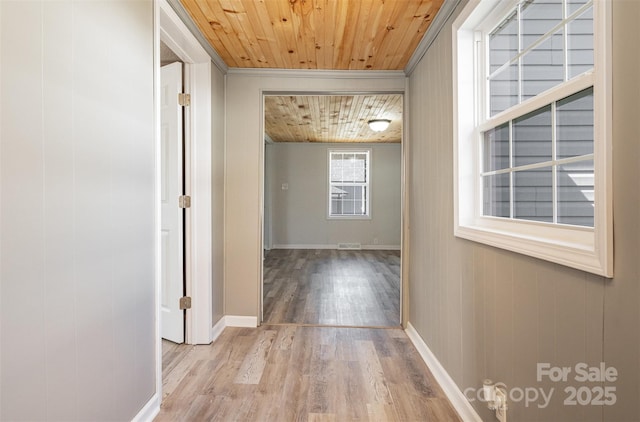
[{"x": 378, "y": 125}]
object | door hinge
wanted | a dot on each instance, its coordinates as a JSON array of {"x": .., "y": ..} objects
[
  {"x": 185, "y": 302},
  {"x": 184, "y": 201},
  {"x": 184, "y": 100}
]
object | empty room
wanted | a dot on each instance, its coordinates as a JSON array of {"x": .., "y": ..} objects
[{"x": 332, "y": 220}]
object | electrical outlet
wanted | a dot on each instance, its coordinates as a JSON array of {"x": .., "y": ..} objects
[{"x": 501, "y": 404}]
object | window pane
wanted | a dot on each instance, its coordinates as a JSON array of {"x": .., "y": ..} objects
[
  {"x": 580, "y": 44},
  {"x": 496, "y": 148},
  {"x": 336, "y": 207},
  {"x": 532, "y": 137},
  {"x": 496, "y": 195},
  {"x": 575, "y": 193},
  {"x": 360, "y": 168},
  {"x": 503, "y": 42},
  {"x": 347, "y": 164},
  {"x": 574, "y": 120},
  {"x": 348, "y": 200},
  {"x": 574, "y": 5},
  {"x": 539, "y": 17},
  {"x": 348, "y": 167},
  {"x": 336, "y": 167},
  {"x": 532, "y": 191},
  {"x": 503, "y": 88},
  {"x": 543, "y": 67}
]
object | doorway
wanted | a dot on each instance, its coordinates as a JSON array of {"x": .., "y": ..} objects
[{"x": 332, "y": 218}]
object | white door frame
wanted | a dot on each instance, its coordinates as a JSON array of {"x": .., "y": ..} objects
[
  {"x": 197, "y": 126},
  {"x": 404, "y": 249}
]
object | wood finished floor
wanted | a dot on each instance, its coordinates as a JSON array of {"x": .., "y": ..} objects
[
  {"x": 332, "y": 287},
  {"x": 300, "y": 373}
]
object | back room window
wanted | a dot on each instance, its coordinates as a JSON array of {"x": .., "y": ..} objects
[{"x": 349, "y": 190}]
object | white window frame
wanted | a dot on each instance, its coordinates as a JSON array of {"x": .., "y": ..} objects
[
  {"x": 368, "y": 202},
  {"x": 584, "y": 248}
]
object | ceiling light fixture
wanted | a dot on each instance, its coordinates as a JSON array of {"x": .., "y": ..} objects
[{"x": 378, "y": 125}]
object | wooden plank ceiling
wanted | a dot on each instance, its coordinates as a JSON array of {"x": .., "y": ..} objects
[
  {"x": 314, "y": 34},
  {"x": 319, "y": 34},
  {"x": 332, "y": 118}
]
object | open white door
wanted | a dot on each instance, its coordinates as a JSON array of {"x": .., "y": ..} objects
[{"x": 172, "y": 317}]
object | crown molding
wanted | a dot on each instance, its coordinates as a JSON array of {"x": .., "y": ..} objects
[
  {"x": 186, "y": 19},
  {"x": 443, "y": 15},
  {"x": 315, "y": 73}
]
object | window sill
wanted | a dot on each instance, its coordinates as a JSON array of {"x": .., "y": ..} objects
[
  {"x": 572, "y": 247},
  {"x": 349, "y": 217}
]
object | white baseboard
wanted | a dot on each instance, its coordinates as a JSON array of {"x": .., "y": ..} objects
[
  {"x": 303, "y": 246},
  {"x": 335, "y": 246},
  {"x": 240, "y": 321},
  {"x": 381, "y": 247},
  {"x": 217, "y": 329},
  {"x": 454, "y": 394},
  {"x": 149, "y": 411}
]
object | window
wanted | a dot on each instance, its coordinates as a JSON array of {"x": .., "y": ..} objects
[
  {"x": 349, "y": 191},
  {"x": 532, "y": 129}
]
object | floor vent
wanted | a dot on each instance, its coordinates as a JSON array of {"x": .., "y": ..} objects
[{"x": 349, "y": 246}]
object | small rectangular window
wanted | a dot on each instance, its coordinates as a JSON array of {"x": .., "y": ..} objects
[{"x": 349, "y": 183}]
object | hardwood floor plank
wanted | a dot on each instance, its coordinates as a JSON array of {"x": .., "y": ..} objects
[
  {"x": 254, "y": 363},
  {"x": 375, "y": 382},
  {"x": 322, "y": 417},
  {"x": 332, "y": 287},
  {"x": 284, "y": 373},
  {"x": 379, "y": 412}
]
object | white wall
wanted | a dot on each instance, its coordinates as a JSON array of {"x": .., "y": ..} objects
[
  {"x": 244, "y": 174},
  {"x": 77, "y": 200},
  {"x": 299, "y": 214}
]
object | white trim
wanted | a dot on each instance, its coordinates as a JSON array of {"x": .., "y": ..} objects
[
  {"x": 177, "y": 36},
  {"x": 381, "y": 247},
  {"x": 303, "y": 246},
  {"x": 335, "y": 75},
  {"x": 442, "y": 16},
  {"x": 200, "y": 211},
  {"x": 217, "y": 329},
  {"x": 334, "y": 246},
  {"x": 546, "y": 98},
  {"x": 367, "y": 184},
  {"x": 181, "y": 14},
  {"x": 460, "y": 403},
  {"x": 587, "y": 249},
  {"x": 149, "y": 411},
  {"x": 197, "y": 170},
  {"x": 262, "y": 177},
  {"x": 240, "y": 321},
  {"x": 152, "y": 407},
  {"x": 314, "y": 73}
]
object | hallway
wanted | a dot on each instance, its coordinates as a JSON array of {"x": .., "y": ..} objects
[{"x": 292, "y": 373}]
